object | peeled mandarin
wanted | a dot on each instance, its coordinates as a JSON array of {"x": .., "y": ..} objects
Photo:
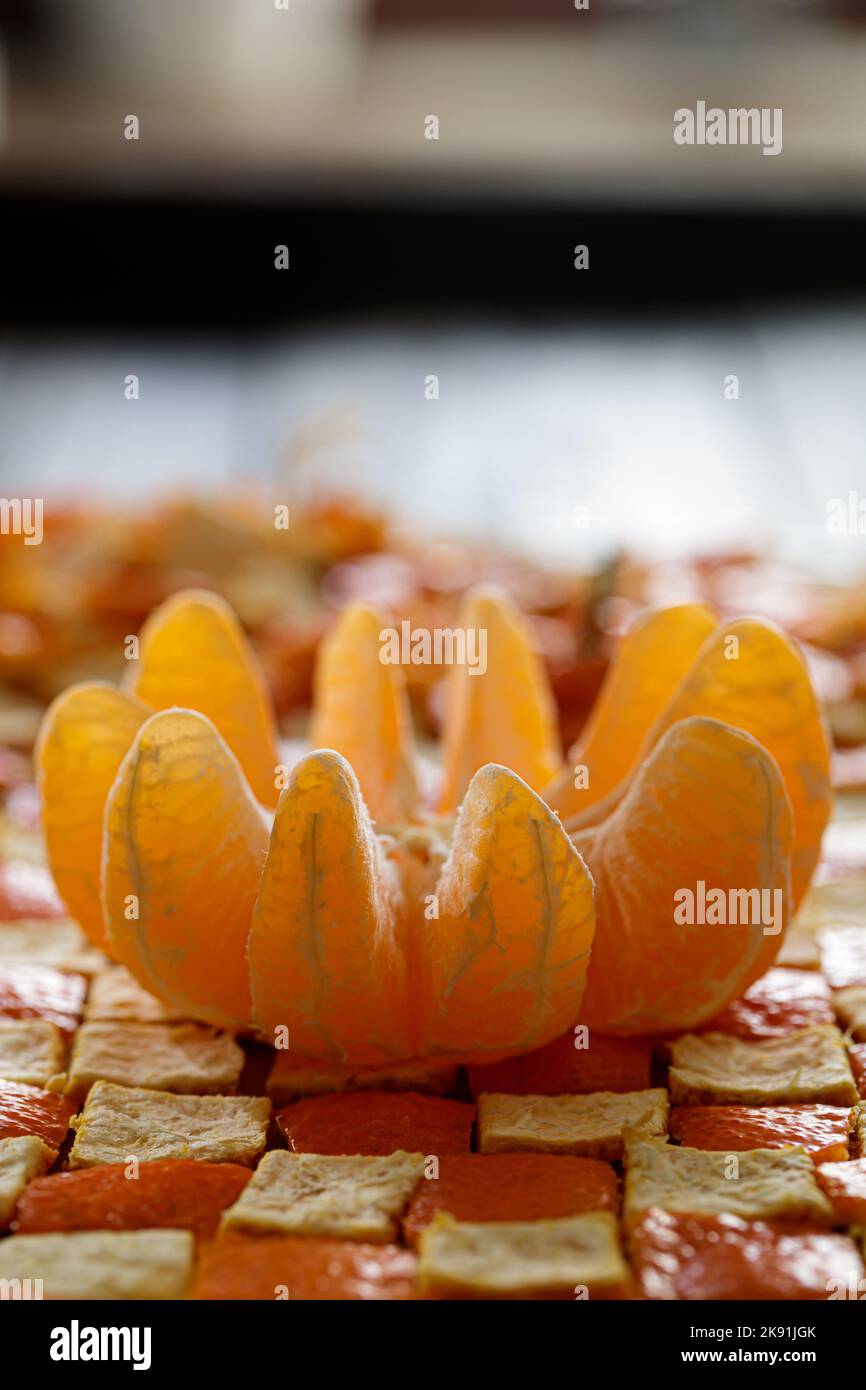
[
  {"x": 194, "y": 654},
  {"x": 360, "y": 709},
  {"x": 503, "y": 713},
  {"x": 503, "y": 966},
  {"x": 184, "y": 845},
  {"x": 326, "y": 954},
  {"x": 83, "y": 739},
  {"x": 651, "y": 660},
  {"x": 708, "y": 805}
]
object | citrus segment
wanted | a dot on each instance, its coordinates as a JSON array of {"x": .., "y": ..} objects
[
  {"x": 326, "y": 958},
  {"x": 652, "y": 659},
  {"x": 84, "y": 737},
  {"x": 751, "y": 676},
  {"x": 184, "y": 845},
  {"x": 360, "y": 709},
  {"x": 194, "y": 654},
  {"x": 709, "y": 808},
  {"x": 503, "y": 966},
  {"x": 501, "y": 709}
]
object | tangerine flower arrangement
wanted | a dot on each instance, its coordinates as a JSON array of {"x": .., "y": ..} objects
[{"x": 376, "y": 925}]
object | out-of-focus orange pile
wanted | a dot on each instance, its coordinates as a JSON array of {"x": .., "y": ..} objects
[{"x": 66, "y": 605}]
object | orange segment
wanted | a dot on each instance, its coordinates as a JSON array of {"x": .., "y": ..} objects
[
  {"x": 709, "y": 805},
  {"x": 766, "y": 690},
  {"x": 504, "y": 965},
  {"x": 194, "y": 654},
  {"x": 84, "y": 737},
  {"x": 503, "y": 714},
  {"x": 326, "y": 956},
  {"x": 184, "y": 845},
  {"x": 652, "y": 659},
  {"x": 361, "y": 710},
  {"x": 750, "y": 676}
]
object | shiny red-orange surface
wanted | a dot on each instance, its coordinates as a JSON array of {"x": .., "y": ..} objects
[
  {"x": 561, "y": 1068},
  {"x": 857, "y": 1057},
  {"x": 30, "y": 1110},
  {"x": 377, "y": 1122},
  {"x": 822, "y": 1130},
  {"x": 724, "y": 1257},
  {"x": 780, "y": 1002},
  {"x": 302, "y": 1267},
  {"x": 40, "y": 991},
  {"x": 179, "y": 1194},
  {"x": 27, "y": 891},
  {"x": 511, "y": 1187},
  {"x": 845, "y": 1185},
  {"x": 843, "y": 956}
]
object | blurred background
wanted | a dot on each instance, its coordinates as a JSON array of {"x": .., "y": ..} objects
[{"x": 432, "y": 385}]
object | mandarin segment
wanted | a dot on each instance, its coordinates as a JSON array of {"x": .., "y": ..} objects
[
  {"x": 708, "y": 805},
  {"x": 766, "y": 690},
  {"x": 194, "y": 654},
  {"x": 326, "y": 956},
  {"x": 184, "y": 845},
  {"x": 503, "y": 713},
  {"x": 751, "y": 677},
  {"x": 503, "y": 966},
  {"x": 84, "y": 738},
  {"x": 652, "y": 659},
  {"x": 360, "y": 709}
]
